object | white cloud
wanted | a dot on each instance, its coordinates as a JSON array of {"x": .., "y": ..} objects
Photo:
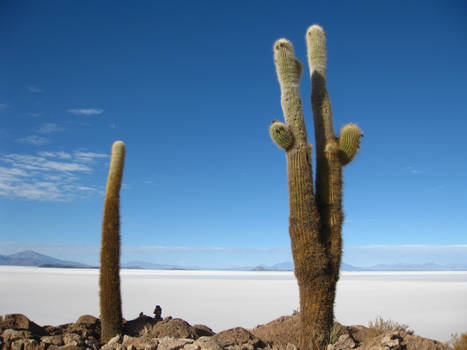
[
  {"x": 46, "y": 176},
  {"x": 85, "y": 111},
  {"x": 33, "y": 140},
  {"x": 41, "y": 163},
  {"x": 48, "y": 128},
  {"x": 35, "y": 89},
  {"x": 89, "y": 156},
  {"x": 413, "y": 170},
  {"x": 60, "y": 154},
  {"x": 34, "y": 115}
]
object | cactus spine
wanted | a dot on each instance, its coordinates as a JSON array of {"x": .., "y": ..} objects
[
  {"x": 109, "y": 278},
  {"x": 315, "y": 220}
]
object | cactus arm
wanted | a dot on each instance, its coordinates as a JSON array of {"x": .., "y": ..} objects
[
  {"x": 328, "y": 167},
  {"x": 109, "y": 278},
  {"x": 281, "y": 135},
  {"x": 349, "y": 143}
]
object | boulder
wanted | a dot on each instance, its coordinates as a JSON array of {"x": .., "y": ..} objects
[
  {"x": 208, "y": 343},
  {"x": 52, "y": 340},
  {"x": 139, "y": 326},
  {"x": 415, "y": 342},
  {"x": 170, "y": 343},
  {"x": 344, "y": 342},
  {"x": 26, "y": 344},
  {"x": 66, "y": 347},
  {"x": 87, "y": 321},
  {"x": 238, "y": 336},
  {"x": 137, "y": 343},
  {"x": 10, "y": 335},
  {"x": 203, "y": 331},
  {"x": 20, "y": 321},
  {"x": 73, "y": 339},
  {"x": 281, "y": 331},
  {"x": 176, "y": 328},
  {"x": 360, "y": 333},
  {"x": 400, "y": 340}
]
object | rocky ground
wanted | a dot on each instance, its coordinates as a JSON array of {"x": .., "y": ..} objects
[{"x": 17, "y": 332}]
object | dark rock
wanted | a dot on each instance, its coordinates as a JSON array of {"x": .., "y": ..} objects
[
  {"x": 52, "y": 340},
  {"x": 73, "y": 339},
  {"x": 139, "y": 326},
  {"x": 344, "y": 342},
  {"x": 238, "y": 336},
  {"x": 66, "y": 347},
  {"x": 208, "y": 343},
  {"x": 88, "y": 321},
  {"x": 176, "y": 328},
  {"x": 20, "y": 321},
  {"x": 415, "y": 342},
  {"x": 27, "y": 344},
  {"x": 10, "y": 335},
  {"x": 281, "y": 331},
  {"x": 203, "y": 331}
]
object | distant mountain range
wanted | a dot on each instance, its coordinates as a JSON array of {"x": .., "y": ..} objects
[{"x": 30, "y": 258}]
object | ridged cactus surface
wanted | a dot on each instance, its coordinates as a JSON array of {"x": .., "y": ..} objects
[
  {"x": 316, "y": 216},
  {"x": 109, "y": 277}
]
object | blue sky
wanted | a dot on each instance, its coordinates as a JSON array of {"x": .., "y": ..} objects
[{"x": 191, "y": 88}]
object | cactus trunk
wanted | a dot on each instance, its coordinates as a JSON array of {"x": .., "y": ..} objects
[
  {"x": 109, "y": 278},
  {"x": 315, "y": 221}
]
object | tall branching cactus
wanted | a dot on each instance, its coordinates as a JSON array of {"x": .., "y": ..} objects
[
  {"x": 109, "y": 279},
  {"x": 315, "y": 221}
]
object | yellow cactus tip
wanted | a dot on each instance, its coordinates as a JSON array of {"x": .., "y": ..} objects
[
  {"x": 315, "y": 28},
  {"x": 352, "y": 126},
  {"x": 283, "y": 44},
  {"x": 118, "y": 146}
]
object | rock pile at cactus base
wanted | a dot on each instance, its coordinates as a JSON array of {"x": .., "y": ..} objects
[{"x": 17, "y": 332}]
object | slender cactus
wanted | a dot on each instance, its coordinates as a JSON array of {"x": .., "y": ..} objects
[
  {"x": 109, "y": 278},
  {"x": 315, "y": 221}
]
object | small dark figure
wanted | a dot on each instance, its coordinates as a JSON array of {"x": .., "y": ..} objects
[
  {"x": 141, "y": 315},
  {"x": 158, "y": 312}
]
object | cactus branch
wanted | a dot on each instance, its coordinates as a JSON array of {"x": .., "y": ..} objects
[
  {"x": 281, "y": 135},
  {"x": 349, "y": 143}
]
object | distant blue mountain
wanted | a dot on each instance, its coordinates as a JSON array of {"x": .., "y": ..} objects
[
  {"x": 417, "y": 267},
  {"x": 151, "y": 266},
  {"x": 30, "y": 258},
  {"x": 289, "y": 266}
]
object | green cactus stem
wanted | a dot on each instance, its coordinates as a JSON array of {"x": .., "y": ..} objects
[
  {"x": 109, "y": 277},
  {"x": 349, "y": 143},
  {"x": 281, "y": 135},
  {"x": 315, "y": 220}
]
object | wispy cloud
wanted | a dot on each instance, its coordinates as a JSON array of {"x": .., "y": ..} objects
[
  {"x": 88, "y": 157},
  {"x": 85, "y": 111},
  {"x": 33, "y": 140},
  {"x": 34, "y": 115},
  {"x": 60, "y": 154},
  {"x": 34, "y": 89},
  {"x": 413, "y": 170},
  {"x": 46, "y": 176},
  {"x": 48, "y": 128}
]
